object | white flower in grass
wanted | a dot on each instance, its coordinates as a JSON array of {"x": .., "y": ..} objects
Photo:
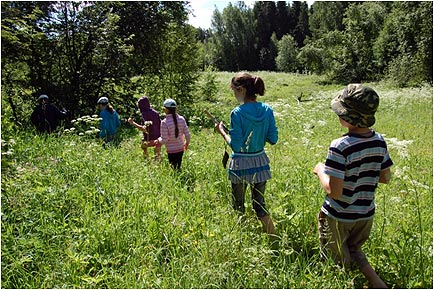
[
  {"x": 400, "y": 146},
  {"x": 395, "y": 199},
  {"x": 417, "y": 183},
  {"x": 148, "y": 123},
  {"x": 305, "y": 141},
  {"x": 94, "y": 116},
  {"x": 72, "y": 129},
  {"x": 81, "y": 134},
  {"x": 321, "y": 123},
  {"x": 89, "y": 132}
]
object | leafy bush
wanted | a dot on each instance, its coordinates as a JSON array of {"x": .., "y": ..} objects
[
  {"x": 406, "y": 70},
  {"x": 286, "y": 59}
]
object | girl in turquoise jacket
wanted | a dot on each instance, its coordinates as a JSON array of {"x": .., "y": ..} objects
[
  {"x": 252, "y": 126},
  {"x": 109, "y": 120}
]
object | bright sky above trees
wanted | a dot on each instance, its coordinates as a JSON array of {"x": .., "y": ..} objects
[{"x": 203, "y": 9}]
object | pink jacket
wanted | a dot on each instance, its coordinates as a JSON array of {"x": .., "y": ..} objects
[{"x": 174, "y": 145}]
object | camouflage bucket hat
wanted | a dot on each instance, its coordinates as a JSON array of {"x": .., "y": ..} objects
[{"x": 357, "y": 105}]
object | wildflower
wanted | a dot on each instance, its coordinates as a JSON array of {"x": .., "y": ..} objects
[
  {"x": 305, "y": 141},
  {"x": 9, "y": 152},
  {"x": 73, "y": 121},
  {"x": 72, "y": 129},
  {"x": 81, "y": 134},
  {"x": 322, "y": 123},
  {"x": 400, "y": 146},
  {"x": 148, "y": 123},
  {"x": 94, "y": 116},
  {"x": 88, "y": 132},
  {"x": 417, "y": 183}
]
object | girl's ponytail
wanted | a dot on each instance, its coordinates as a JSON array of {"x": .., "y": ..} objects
[
  {"x": 259, "y": 85},
  {"x": 254, "y": 84},
  {"x": 110, "y": 109},
  {"x": 175, "y": 120}
]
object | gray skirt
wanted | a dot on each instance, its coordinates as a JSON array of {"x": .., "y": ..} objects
[{"x": 250, "y": 168}]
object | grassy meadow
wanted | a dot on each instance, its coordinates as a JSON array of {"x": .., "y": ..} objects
[{"x": 77, "y": 215}]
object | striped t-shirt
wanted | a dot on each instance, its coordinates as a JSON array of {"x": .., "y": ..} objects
[
  {"x": 357, "y": 160},
  {"x": 167, "y": 128}
]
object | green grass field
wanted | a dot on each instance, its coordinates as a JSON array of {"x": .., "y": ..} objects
[{"x": 75, "y": 215}]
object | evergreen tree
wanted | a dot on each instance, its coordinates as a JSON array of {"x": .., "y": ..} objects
[
  {"x": 301, "y": 30},
  {"x": 282, "y": 19},
  {"x": 265, "y": 15}
]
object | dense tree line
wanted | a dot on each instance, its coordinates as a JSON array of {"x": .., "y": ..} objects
[
  {"x": 76, "y": 52},
  {"x": 345, "y": 41}
]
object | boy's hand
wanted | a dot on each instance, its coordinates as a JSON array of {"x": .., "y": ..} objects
[
  {"x": 130, "y": 120},
  {"x": 318, "y": 168}
]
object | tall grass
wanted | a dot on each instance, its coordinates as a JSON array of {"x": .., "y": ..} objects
[{"x": 77, "y": 215}]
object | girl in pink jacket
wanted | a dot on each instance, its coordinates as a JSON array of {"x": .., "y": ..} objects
[{"x": 174, "y": 134}]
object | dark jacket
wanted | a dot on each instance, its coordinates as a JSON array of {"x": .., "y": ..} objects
[
  {"x": 46, "y": 117},
  {"x": 149, "y": 114}
]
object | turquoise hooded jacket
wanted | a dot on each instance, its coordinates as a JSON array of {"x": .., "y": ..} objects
[
  {"x": 109, "y": 123},
  {"x": 252, "y": 125}
]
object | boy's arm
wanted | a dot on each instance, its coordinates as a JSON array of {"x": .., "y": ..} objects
[
  {"x": 385, "y": 176},
  {"x": 333, "y": 186}
]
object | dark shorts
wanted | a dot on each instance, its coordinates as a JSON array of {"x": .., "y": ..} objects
[
  {"x": 258, "y": 201},
  {"x": 175, "y": 159}
]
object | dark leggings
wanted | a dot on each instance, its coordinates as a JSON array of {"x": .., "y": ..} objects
[
  {"x": 175, "y": 159},
  {"x": 258, "y": 201}
]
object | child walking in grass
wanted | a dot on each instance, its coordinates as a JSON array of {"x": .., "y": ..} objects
[
  {"x": 150, "y": 126},
  {"x": 174, "y": 134},
  {"x": 354, "y": 166},
  {"x": 110, "y": 120},
  {"x": 252, "y": 125}
]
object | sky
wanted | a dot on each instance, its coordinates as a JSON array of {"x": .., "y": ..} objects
[{"x": 203, "y": 10}]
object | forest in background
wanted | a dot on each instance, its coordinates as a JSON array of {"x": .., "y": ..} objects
[
  {"x": 77, "y": 52},
  {"x": 345, "y": 41}
]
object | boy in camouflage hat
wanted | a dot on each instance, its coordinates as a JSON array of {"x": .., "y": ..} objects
[{"x": 354, "y": 166}]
